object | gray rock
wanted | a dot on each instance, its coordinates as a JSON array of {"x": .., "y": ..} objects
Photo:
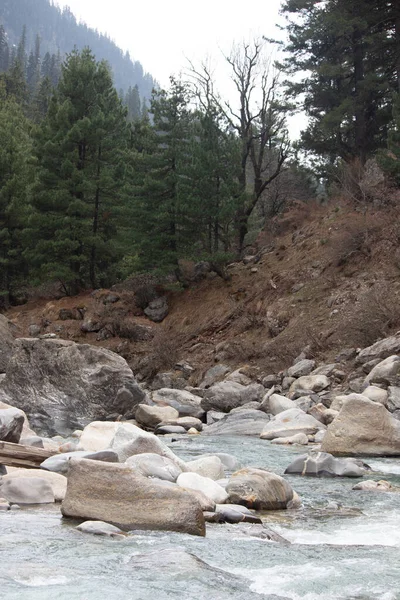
[
  {"x": 58, "y": 383},
  {"x": 34, "y": 441},
  {"x": 290, "y": 422},
  {"x": 151, "y": 416},
  {"x": 214, "y": 375},
  {"x": 248, "y": 406},
  {"x": 322, "y": 464},
  {"x": 299, "y": 438},
  {"x": 27, "y": 490},
  {"x": 170, "y": 429},
  {"x": 91, "y": 326},
  {"x": 187, "y": 423},
  {"x": 384, "y": 370},
  {"x": 58, "y": 482},
  {"x": 113, "y": 493},
  {"x": 376, "y": 394},
  {"x": 157, "y": 310},
  {"x": 393, "y": 402},
  {"x": 154, "y": 465},
  {"x": 245, "y": 422},
  {"x": 207, "y": 486},
  {"x": 278, "y": 404},
  {"x": 259, "y": 489},
  {"x": 363, "y": 427},
  {"x": 187, "y": 404},
  {"x": 6, "y": 343},
  {"x": 304, "y": 403},
  {"x": 373, "y": 486},
  {"x": 339, "y": 400},
  {"x": 101, "y": 528},
  {"x": 315, "y": 383},
  {"x": 301, "y": 368},
  {"x": 59, "y": 463},
  {"x": 207, "y": 466},
  {"x": 381, "y": 349},
  {"x": 34, "y": 330},
  {"x": 129, "y": 440},
  {"x": 226, "y": 395},
  {"x": 233, "y": 513},
  {"x": 271, "y": 380},
  {"x": 231, "y": 463},
  {"x": 238, "y": 377},
  {"x": 213, "y": 416},
  {"x": 11, "y": 424}
]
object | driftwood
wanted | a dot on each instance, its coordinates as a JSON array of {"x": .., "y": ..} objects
[{"x": 17, "y": 455}]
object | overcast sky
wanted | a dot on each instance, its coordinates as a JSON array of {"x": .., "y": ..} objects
[{"x": 161, "y": 34}]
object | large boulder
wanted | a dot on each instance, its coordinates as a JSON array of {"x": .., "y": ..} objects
[
  {"x": 259, "y": 489},
  {"x": 186, "y": 403},
  {"x": 27, "y": 490},
  {"x": 322, "y": 464},
  {"x": 301, "y": 368},
  {"x": 226, "y": 395},
  {"x": 381, "y": 349},
  {"x": 11, "y": 424},
  {"x": 59, "y": 384},
  {"x": 245, "y": 422},
  {"x": 290, "y": 422},
  {"x": 115, "y": 494},
  {"x": 363, "y": 427},
  {"x": 154, "y": 466},
  {"x": 6, "y": 343}
]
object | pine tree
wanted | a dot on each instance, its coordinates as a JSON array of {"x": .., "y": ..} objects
[
  {"x": 16, "y": 175},
  {"x": 347, "y": 49},
  {"x": 77, "y": 201},
  {"x": 4, "y": 51},
  {"x": 160, "y": 213}
]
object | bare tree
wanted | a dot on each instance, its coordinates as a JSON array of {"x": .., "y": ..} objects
[{"x": 258, "y": 119}]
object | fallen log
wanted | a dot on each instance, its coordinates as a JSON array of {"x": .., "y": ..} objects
[{"x": 17, "y": 455}]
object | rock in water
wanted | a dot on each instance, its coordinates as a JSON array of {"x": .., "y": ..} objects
[
  {"x": 363, "y": 427},
  {"x": 59, "y": 463},
  {"x": 322, "y": 464},
  {"x": 59, "y": 383},
  {"x": 289, "y": 423},
  {"x": 115, "y": 494},
  {"x": 58, "y": 482},
  {"x": 244, "y": 422},
  {"x": 101, "y": 528},
  {"x": 259, "y": 489},
  {"x": 210, "y": 488}
]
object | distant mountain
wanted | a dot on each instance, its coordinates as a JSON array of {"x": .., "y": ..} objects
[{"x": 59, "y": 31}]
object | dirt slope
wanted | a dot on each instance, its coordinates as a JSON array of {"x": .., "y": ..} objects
[{"x": 327, "y": 278}]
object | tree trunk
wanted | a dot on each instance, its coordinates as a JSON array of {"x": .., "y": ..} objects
[{"x": 92, "y": 265}]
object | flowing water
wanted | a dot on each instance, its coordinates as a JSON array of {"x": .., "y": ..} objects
[{"x": 345, "y": 545}]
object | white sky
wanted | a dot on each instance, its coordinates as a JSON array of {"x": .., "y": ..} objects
[{"x": 162, "y": 34}]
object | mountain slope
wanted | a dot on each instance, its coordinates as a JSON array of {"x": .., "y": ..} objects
[{"x": 59, "y": 30}]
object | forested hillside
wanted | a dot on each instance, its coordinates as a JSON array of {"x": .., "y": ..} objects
[
  {"x": 59, "y": 32},
  {"x": 95, "y": 188}
]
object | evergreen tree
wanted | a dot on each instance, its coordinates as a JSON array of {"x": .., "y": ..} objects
[
  {"x": 160, "y": 212},
  {"x": 390, "y": 159},
  {"x": 4, "y": 51},
  {"x": 347, "y": 50},
  {"x": 77, "y": 201},
  {"x": 16, "y": 175}
]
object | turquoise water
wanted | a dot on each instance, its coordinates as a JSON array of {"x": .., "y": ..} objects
[{"x": 344, "y": 545}]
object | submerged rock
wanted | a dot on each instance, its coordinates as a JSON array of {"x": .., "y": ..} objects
[
  {"x": 322, "y": 464},
  {"x": 101, "y": 528}
]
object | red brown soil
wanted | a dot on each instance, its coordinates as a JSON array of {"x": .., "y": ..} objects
[{"x": 328, "y": 278}]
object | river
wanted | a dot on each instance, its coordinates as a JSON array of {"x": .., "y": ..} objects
[{"x": 345, "y": 545}]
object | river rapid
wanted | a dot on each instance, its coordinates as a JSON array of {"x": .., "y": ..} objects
[{"x": 344, "y": 545}]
